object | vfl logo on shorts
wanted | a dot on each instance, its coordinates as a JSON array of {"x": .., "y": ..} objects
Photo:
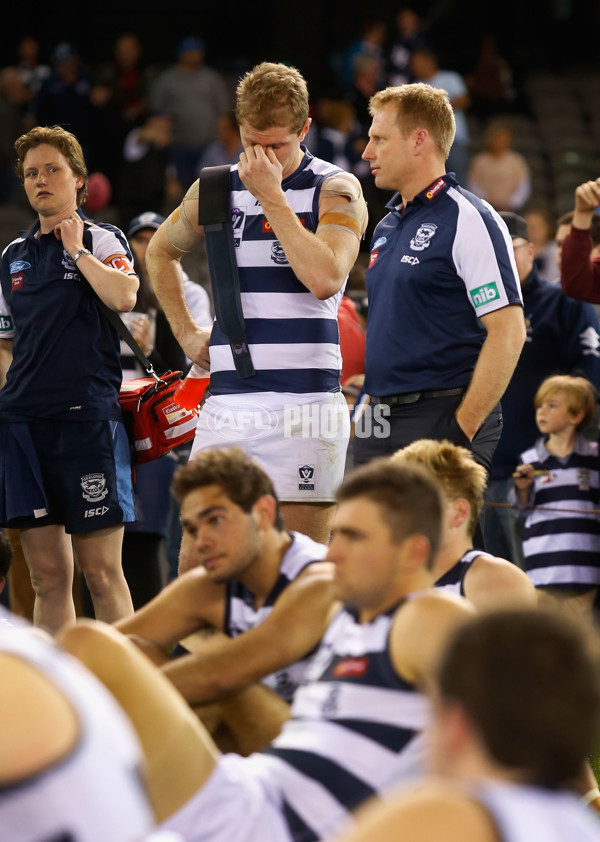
[
  {"x": 422, "y": 238},
  {"x": 483, "y": 295},
  {"x": 94, "y": 487},
  {"x": 306, "y": 477}
]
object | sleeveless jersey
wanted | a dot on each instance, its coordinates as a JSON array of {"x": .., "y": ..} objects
[
  {"x": 354, "y": 732},
  {"x": 241, "y": 616},
  {"x": 95, "y": 793},
  {"x": 292, "y": 335},
  {"x": 523, "y": 813},
  {"x": 453, "y": 580}
]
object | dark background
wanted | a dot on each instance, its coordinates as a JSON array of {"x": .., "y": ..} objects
[{"x": 550, "y": 35}]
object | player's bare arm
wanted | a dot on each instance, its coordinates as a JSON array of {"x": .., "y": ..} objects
[
  {"x": 292, "y": 629},
  {"x": 320, "y": 261},
  {"x": 5, "y": 359},
  {"x": 493, "y": 583},
  {"x": 177, "y": 236},
  {"x": 188, "y": 604},
  {"x": 495, "y": 366},
  {"x": 420, "y": 632}
]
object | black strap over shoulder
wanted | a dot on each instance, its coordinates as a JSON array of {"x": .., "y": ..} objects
[{"x": 214, "y": 213}]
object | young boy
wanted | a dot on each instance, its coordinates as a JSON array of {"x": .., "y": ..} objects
[{"x": 559, "y": 479}]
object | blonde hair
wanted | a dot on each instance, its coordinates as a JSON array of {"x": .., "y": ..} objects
[
  {"x": 61, "y": 139},
  {"x": 579, "y": 393},
  {"x": 420, "y": 106},
  {"x": 454, "y": 469},
  {"x": 272, "y": 95}
]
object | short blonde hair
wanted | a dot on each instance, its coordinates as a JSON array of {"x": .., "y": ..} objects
[
  {"x": 579, "y": 393},
  {"x": 272, "y": 95},
  {"x": 420, "y": 106},
  {"x": 453, "y": 468},
  {"x": 62, "y": 140}
]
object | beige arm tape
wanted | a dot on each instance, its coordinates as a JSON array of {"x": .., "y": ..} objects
[
  {"x": 180, "y": 232},
  {"x": 351, "y": 215}
]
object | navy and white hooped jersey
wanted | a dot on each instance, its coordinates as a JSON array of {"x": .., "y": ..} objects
[
  {"x": 241, "y": 616},
  {"x": 453, "y": 580},
  {"x": 65, "y": 352},
  {"x": 292, "y": 335},
  {"x": 434, "y": 270},
  {"x": 561, "y": 541},
  {"x": 96, "y": 792},
  {"x": 523, "y": 813},
  {"x": 355, "y": 730}
]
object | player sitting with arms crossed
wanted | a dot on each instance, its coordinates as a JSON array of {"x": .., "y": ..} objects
[{"x": 267, "y": 589}]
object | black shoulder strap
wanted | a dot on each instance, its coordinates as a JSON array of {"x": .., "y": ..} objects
[
  {"x": 121, "y": 328},
  {"x": 214, "y": 213}
]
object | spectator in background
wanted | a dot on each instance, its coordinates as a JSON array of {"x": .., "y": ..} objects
[
  {"x": 334, "y": 139},
  {"x": 558, "y": 479},
  {"x": 227, "y": 147},
  {"x": 63, "y": 98},
  {"x": 542, "y": 232},
  {"x": 563, "y": 228},
  {"x": 425, "y": 68},
  {"x": 130, "y": 77},
  {"x": 107, "y": 130},
  {"x": 147, "y": 178},
  {"x": 33, "y": 72},
  {"x": 194, "y": 96},
  {"x": 352, "y": 340},
  {"x": 498, "y": 174},
  {"x": 365, "y": 83},
  {"x": 371, "y": 43},
  {"x": 580, "y": 269},
  {"x": 408, "y": 37},
  {"x": 14, "y": 121},
  {"x": 562, "y": 336},
  {"x": 490, "y": 84}
]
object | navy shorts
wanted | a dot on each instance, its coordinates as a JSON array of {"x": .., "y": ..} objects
[{"x": 74, "y": 473}]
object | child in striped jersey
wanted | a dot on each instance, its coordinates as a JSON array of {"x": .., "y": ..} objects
[{"x": 558, "y": 481}]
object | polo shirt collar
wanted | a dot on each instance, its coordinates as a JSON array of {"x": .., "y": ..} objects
[{"x": 428, "y": 196}]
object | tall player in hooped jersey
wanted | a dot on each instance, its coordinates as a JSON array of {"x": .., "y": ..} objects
[
  {"x": 64, "y": 452},
  {"x": 297, "y": 222}
]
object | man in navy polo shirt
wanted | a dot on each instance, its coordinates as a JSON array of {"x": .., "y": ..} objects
[{"x": 445, "y": 326}]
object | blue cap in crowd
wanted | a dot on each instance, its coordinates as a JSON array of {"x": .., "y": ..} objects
[{"x": 148, "y": 219}]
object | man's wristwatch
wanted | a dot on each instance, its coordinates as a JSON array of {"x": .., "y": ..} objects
[{"x": 76, "y": 257}]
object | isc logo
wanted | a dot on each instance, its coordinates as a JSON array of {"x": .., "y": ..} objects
[
  {"x": 101, "y": 510},
  {"x": 483, "y": 295}
]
